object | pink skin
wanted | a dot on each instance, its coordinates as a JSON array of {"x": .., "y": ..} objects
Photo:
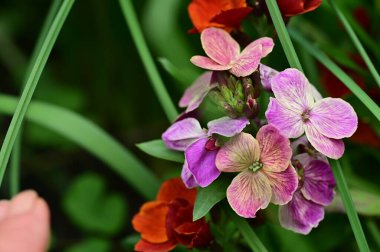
[{"x": 24, "y": 223}]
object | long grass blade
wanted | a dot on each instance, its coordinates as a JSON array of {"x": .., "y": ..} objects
[
  {"x": 14, "y": 172},
  {"x": 146, "y": 57},
  {"x": 31, "y": 84}
]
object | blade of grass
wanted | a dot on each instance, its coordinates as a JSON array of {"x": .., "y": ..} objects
[
  {"x": 92, "y": 138},
  {"x": 31, "y": 84},
  {"x": 349, "y": 206},
  {"x": 338, "y": 72},
  {"x": 374, "y": 231},
  {"x": 356, "y": 42},
  {"x": 14, "y": 172},
  {"x": 146, "y": 57}
]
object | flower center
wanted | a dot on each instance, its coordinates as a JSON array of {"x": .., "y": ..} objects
[
  {"x": 255, "y": 166},
  {"x": 305, "y": 115}
]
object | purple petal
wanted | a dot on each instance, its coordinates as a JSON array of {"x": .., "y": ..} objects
[
  {"x": 249, "y": 191},
  {"x": 187, "y": 177},
  {"x": 293, "y": 91},
  {"x": 227, "y": 126},
  {"x": 201, "y": 162},
  {"x": 182, "y": 133},
  {"x": 332, "y": 148},
  {"x": 248, "y": 61},
  {"x": 266, "y": 44},
  {"x": 283, "y": 184},
  {"x": 302, "y": 141},
  {"x": 207, "y": 63},
  {"x": 334, "y": 118},
  {"x": 288, "y": 122},
  {"x": 240, "y": 152},
  {"x": 220, "y": 46},
  {"x": 300, "y": 215},
  {"x": 195, "y": 94},
  {"x": 266, "y": 75},
  {"x": 275, "y": 151}
]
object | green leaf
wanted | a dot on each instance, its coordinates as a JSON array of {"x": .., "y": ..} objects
[
  {"x": 158, "y": 149},
  {"x": 91, "y": 245},
  {"x": 209, "y": 196},
  {"x": 88, "y": 205}
]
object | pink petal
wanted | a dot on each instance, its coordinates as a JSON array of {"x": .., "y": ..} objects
[
  {"x": 220, "y": 46},
  {"x": 274, "y": 148},
  {"x": 227, "y": 126},
  {"x": 182, "y": 133},
  {"x": 248, "y": 61},
  {"x": 300, "y": 215},
  {"x": 249, "y": 191},
  {"x": 332, "y": 148},
  {"x": 207, "y": 63},
  {"x": 195, "y": 94},
  {"x": 283, "y": 184},
  {"x": 288, "y": 122},
  {"x": 292, "y": 90},
  {"x": 187, "y": 177},
  {"x": 240, "y": 152},
  {"x": 266, "y": 75},
  {"x": 334, "y": 118},
  {"x": 266, "y": 44}
]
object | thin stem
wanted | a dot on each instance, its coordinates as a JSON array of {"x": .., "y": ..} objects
[
  {"x": 146, "y": 57},
  {"x": 14, "y": 174},
  {"x": 349, "y": 206},
  {"x": 356, "y": 42},
  {"x": 31, "y": 84}
]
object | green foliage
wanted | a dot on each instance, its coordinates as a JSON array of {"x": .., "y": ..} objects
[
  {"x": 158, "y": 149},
  {"x": 91, "y": 245}
]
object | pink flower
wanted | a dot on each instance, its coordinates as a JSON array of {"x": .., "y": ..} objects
[
  {"x": 224, "y": 53},
  {"x": 265, "y": 173},
  {"x": 24, "y": 223},
  {"x": 295, "y": 111}
]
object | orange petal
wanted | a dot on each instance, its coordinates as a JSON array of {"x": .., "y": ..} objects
[
  {"x": 145, "y": 246},
  {"x": 175, "y": 189}
]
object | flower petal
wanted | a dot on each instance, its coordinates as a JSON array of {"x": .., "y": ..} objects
[
  {"x": 201, "y": 162},
  {"x": 274, "y": 148},
  {"x": 227, "y": 126},
  {"x": 175, "y": 189},
  {"x": 220, "y": 46},
  {"x": 334, "y": 118},
  {"x": 300, "y": 215},
  {"x": 233, "y": 17},
  {"x": 283, "y": 184},
  {"x": 292, "y": 90},
  {"x": 207, "y": 63},
  {"x": 187, "y": 177},
  {"x": 249, "y": 191},
  {"x": 266, "y": 44},
  {"x": 248, "y": 61},
  {"x": 288, "y": 122},
  {"x": 240, "y": 152},
  {"x": 266, "y": 75},
  {"x": 332, "y": 148},
  {"x": 145, "y": 246},
  {"x": 182, "y": 133}
]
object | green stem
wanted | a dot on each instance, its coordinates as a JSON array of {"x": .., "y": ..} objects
[
  {"x": 374, "y": 231},
  {"x": 14, "y": 174},
  {"x": 31, "y": 84},
  {"x": 349, "y": 206},
  {"x": 146, "y": 57},
  {"x": 356, "y": 42}
]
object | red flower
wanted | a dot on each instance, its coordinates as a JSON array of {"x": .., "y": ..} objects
[
  {"x": 291, "y": 8},
  {"x": 167, "y": 221},
  {"x": 225, "y": 14}
]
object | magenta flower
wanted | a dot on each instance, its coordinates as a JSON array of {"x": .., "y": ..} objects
[
  {"x": 200, "y": 146},
  {"x": 224, "y": 53},
  {"x": 295, "y": 111},
  {"x": 316, "y": 190},
  {"x": 265, "y": 173}
]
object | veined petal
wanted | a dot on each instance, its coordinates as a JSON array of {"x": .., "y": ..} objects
[
  {"x": 240, "y": 152},
  {"x": 201, "y": 162},
  {"x": 266, "y": 75},
  {"x": 182, "y": 133},
  {"x": 283, "y": 184},
  {"x": 292, "y": 90},
  {"x": 266, "y": 44},
  {"x": 275, "y": 151},
  {"x": 247, "y": 62},
  {"x": 220, "y": 46},
  {"x": 207, "y": 63},
  {"x": 249, "y": 191},
  {"x": 334, "y": 118},
  {"x": 288, "y": 122},
  {"x": 227, "y": 126},
  {"x": 187, "y": 177},
  {"x": 332, "y": 148},
  {"x": 300, "y": 215}
]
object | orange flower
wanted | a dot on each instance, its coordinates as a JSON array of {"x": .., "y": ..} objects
[
  {"x": 225, "y": 14},
  {"x": 167, "y": 221},
  {"x": 291, "y": 8}
]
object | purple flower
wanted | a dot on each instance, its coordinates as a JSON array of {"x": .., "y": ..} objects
[
  {"x": 295, "y": 111},
  {"x": 200, "y": 146},
  {"x": 224, "y": 53},
  {"x": 265, "y": 173},
  {"x": 316, "y": 190}
]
